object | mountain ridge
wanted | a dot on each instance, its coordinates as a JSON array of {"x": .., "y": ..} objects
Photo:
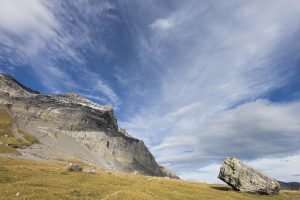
[
  {"x": 289, "y": 185},
  {"x": 70, "y": 126}
]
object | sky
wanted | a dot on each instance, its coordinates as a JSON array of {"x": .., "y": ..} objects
[{"x": 196, "y": 80}]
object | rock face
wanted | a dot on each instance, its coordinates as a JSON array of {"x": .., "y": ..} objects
[
  {"x": 246, "y": 179},
  {"x": 69, "y": 126},
  {"x": 74, "y": 167},
  {"x": 169, "y": 173}
]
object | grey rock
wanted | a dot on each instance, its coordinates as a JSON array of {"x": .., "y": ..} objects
[
  {"x": 68, "y": 126},
  {"x": 124, "y": 132},
  {"x": 74, "y": 167},
  {"x": 244, "y": 178},
  {"x": 90, "y": 170},
  {"x": 12, "y": 87},
  {"x": 169, "y": 173}
]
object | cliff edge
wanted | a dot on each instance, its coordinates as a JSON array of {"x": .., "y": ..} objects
[{"x": 68, "y": 126}]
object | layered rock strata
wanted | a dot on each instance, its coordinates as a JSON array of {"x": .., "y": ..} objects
[{"x": 69, "y": 126}]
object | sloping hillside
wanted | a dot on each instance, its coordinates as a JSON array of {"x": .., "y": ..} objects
[
  {"x": 11, "y": 136},
  {"x": 68, "y": 126},
  {"x": 27, "y": 179}
]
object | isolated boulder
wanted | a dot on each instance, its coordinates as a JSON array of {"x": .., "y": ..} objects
[
  {"x": 74, "y": 167},
  {"x": 244, "y": 178}
]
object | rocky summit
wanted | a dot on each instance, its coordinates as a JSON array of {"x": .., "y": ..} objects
[
  {"x": 68, "y": 126},
  {"x": 246, "y": 179}
]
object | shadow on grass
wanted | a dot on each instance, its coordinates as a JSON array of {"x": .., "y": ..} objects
[{"x": 222, "y": 188}]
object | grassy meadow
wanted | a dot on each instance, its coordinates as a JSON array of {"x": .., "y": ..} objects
[{"x": 28, "y": 179}]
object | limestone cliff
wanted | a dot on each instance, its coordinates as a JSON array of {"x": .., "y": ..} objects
[{"x": 69, "y": 126}]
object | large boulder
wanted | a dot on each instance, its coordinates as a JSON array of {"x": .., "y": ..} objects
[{"x": 244, "y": 178}]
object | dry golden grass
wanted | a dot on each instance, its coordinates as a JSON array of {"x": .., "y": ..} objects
[
  {"x": 11, "y": 136},
  {"x": 8, "y": 150},
  {"x": 44, "y": 180},
  {"x": 5, "y": 123}
]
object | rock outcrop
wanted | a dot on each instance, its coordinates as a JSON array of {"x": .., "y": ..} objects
[
  {"x": 69, "y": 126},
  {"x": 169, "y": 173},
  {"x": 246, "y": 179}
]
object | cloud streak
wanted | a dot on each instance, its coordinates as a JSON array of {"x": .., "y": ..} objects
[
  {"x": 220, "y": 55},
  {"x": 31, "y": 20},
  {"x": 252, "y": 130},
  {"x": 43, "y": 35}
]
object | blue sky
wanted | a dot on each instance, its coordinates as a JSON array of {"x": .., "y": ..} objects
[{"x": 196, "y": 80}]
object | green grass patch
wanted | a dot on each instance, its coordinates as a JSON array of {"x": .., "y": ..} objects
[{"x": 44, "y": 180}]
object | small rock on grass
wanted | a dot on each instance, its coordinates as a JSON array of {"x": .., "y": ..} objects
[{"x": 74, "y": 167}]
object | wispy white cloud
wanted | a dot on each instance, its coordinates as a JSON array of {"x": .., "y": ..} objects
[
  {"x": 218, "y": 54},
  {"x": 182, "y": 112},
  {"x": 25, "y": 27},
  {"x": 99, "y": 87},
  {"x": 207, "y": 174},
  {"x": 52, "y": 76},
  {"x": 95, "y": 97},
  {"x": 107, "y": 91},
  {"x": 42, "y": 35},
  {"x": 162, "y": 24},
  {"x": 252, "y": 130}
]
